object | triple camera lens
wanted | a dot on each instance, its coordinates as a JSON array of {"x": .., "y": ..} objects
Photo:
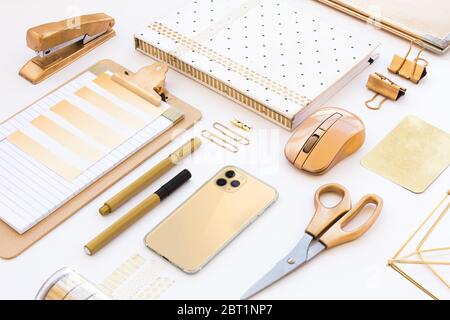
[{"x": 229, "y": 174}]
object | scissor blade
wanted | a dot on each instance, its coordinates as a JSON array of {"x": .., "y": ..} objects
[
  {"x": 292, "y": 261},
  {"x": 314, "y": 250}
]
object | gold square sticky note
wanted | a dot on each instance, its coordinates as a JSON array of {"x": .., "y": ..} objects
[{"x": 412, "y": 155}]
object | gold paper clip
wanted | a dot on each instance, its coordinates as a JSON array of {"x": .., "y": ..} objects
[
  {"x": 227, "y": 132},
  {"x": 408, "y": 69},
  {"x": 239, "y": 124},
  {"x": 219, "y": 141},
  {"x": 384, "y": 87}
]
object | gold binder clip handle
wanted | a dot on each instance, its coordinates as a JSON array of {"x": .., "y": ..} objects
[
  {"x": 410, "y": 70},
  {"x": 416, "y": 64},
  {"x": 397, "y": 69},
  {"x": 378, "y": 106},
  {"x": 383, "y": 86}
]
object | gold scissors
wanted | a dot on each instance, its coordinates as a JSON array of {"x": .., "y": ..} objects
[{"x": 325, "y": 231}]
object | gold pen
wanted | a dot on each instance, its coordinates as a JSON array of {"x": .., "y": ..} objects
[
  {"x": 154, "y": 173},
  {"x": 136, "y": 213}
]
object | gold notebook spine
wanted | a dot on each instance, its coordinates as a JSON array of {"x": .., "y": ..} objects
[{"x": 213, "y": 83}]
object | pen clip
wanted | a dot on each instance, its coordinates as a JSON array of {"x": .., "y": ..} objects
[{"x": 185, "y": 150}]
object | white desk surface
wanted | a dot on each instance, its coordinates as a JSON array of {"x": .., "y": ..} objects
[{"x": 356, "y": 270}]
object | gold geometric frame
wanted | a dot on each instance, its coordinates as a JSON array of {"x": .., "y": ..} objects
[{"x": 420, "y": 251}]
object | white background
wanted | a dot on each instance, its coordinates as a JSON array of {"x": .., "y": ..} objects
[{"x": 357, "y": 270}]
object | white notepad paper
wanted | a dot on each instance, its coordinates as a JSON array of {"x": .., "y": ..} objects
[{"x": 63, "y": 143}]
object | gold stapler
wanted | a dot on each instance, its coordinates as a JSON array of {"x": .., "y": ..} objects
[{"x": 58, "y": 44}]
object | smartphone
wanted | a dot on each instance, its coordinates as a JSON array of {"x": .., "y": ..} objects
[{"x": 210, "y": 219}]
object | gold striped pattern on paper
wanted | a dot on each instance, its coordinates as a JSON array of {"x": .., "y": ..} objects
[
  {"x": 67, "y": 139},
  {"x": 88, "y": 124},
  {"x": 110, "y": 108},
  {"x": 43, "y": 155}
]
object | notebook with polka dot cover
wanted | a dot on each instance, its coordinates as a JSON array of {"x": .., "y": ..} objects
[{"x": 281, "y": 59}]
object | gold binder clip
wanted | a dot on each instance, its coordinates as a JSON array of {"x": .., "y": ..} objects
[
  {"x": 411, "y": 70},
  {"x": 239, "y": 124},
  {"x": 384, "y": 87},
  {"x": 58, "y": 44}
]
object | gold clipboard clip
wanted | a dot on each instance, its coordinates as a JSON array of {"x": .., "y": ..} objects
[
  {"x": 385, "y": 87},
  {"x": 148, "y": 82},
  {"x": 411, "y": 70}
]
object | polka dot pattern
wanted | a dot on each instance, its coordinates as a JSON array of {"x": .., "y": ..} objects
[{"x": 284, "y": 54}]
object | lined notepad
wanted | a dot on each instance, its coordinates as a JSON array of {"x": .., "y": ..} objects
[{"x": 63, "y": 143}]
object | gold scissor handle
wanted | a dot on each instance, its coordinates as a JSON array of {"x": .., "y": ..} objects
[
  {"x": 336, "y": 235},
  {"x": 324, "y": 216}
]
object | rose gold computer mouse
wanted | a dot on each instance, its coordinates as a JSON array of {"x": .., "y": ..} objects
[{"x": 324, "y": 139}]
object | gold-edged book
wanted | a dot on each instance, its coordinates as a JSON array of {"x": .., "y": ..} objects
[{"x": 425, "y": 22}]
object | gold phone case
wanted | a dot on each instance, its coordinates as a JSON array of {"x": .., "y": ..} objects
[{"x": 210, "y": 219}]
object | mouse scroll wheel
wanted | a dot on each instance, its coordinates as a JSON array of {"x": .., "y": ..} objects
[{"x": 310, "y": 143}]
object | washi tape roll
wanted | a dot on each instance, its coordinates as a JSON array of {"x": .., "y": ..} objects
[{"x": 66, "y": 284}]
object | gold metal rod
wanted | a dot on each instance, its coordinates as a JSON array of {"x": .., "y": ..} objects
[
  {"x": 408, "y": 256},
  {"x": 435, "y": 272},
  {"x": 438, "y": 263},
  {"x": 430, "y": 264},
  {"x": 419, "y": 228},
  {"x": 433, "y": 250},
  {"x": 414, "y": 282},
  {"x": 424, "y": 251},
  {"x": 433, "y": 227}
]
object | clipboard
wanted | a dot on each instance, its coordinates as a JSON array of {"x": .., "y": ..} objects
[{"x": 12, "y": 244}]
